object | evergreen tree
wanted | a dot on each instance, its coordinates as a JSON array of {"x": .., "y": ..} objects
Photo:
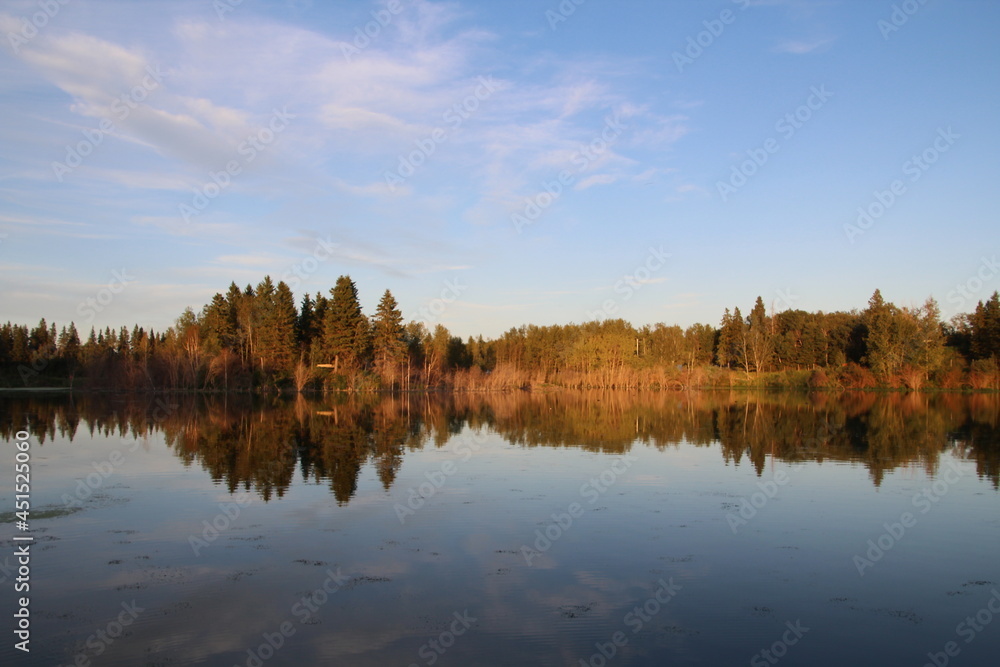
[
  {"x": 20, "y": 351},
  {"x": 985, "y": 328},
  {"x": 246, "y": 331},
  {"x": 218, "y": 325},
  {"x": 305, "y": 326},
  {"x": 91, "y": 350},
  {"x": 41, "y": 345},
  {"x": 262, "y": 312},
  {"x": 142, "y": 346},
  {"x": 388, "y": 337},
  {"x": 274, "y": 320},
  {"x": 724, "y": 349},
  {"x": 345, "y": 332},
  {"x": 69, "y": 346},
  {"x": 6, "y": 342},
  {"x": 123, "y": 346},
  {"x": 286, "y": 326},
  {"x": 320, "y": 307},
  {"x": 731, "y": 349}
]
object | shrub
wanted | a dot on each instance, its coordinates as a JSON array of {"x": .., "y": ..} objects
[
  {"x": 951, "y": 379},
  {"x": 818, "y": 380},
  {"x": 984, "y": 374},
  {"x": 855, "y": 376}
]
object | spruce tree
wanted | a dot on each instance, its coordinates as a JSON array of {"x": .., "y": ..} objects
[
  {"x": 69, "y": 345},
  {"x": 388, "y": 337},
  {"x": 218, "y": 325},
  {"x": 345, "y": 331},
  {"x": 274, "y": 319},
  {"x": 304, "y": 327},
  {"x": 286, "y": 327},
  {"x": 985, "y": 335}
]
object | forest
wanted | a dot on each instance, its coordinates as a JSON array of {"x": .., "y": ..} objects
[{"x": 257, "y": 339}]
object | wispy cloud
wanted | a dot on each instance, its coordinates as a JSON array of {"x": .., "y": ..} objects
[
  {"x": 596, "y": 179},
  {"x": 802, "y": 47}
]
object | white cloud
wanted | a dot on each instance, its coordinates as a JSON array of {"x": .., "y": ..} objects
[
  {"x": 596, "y": 179},
  {"x": 357, "y": 119},
  {"x": 802, "y": 47}
]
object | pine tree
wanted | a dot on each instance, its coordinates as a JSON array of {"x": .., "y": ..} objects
[
  {"x": 262, "y": 317},
  {"x": 388, "y": 337},
  {"x": 731, "y": 350},
  {"x": 123, "y": 346},
  {"x": 40, "y": 343},
  {"x": 20, "y": 345},
  {"x": 91, "y": 350},
  {"x": 286, "y": 327},
  {"x": 321, "y": 306},
  {"x": 345, "y": 331},
  {"x": 218, "y": 325},
  {"x": 306, "y": 323},
  {"x": 242, "y": 304},
  {"x": 69, "y": 345},
  {"x": 274, "y": 321},
  {"x": 723, "y": 350},
  {"x": 985, "y": 334},
  {"x": 6, "y": 342}
]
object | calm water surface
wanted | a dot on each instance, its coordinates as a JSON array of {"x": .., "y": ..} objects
[{"x": 557, "y": 529}]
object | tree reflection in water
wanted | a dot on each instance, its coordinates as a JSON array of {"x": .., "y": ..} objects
[{"x": 255, "y": 443}]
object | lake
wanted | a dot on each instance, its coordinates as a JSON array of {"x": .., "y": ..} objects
[{"x": 563, "y": 528}]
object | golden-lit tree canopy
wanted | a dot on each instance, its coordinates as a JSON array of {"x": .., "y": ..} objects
[{"x": 257, "y": 339}]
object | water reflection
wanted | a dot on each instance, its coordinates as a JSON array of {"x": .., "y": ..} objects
[
  {"x": 327, "y": 479},
  {"x": 256, "y": 444}
]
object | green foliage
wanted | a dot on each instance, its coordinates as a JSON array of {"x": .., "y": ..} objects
[
  {"x": 700, "y": 342},
  {"x": 346, "y": 336},
  {"x": 759, "y": 339},
  {"x": 729, "y": 352},
  {"x": 882, "y": 354},
  {"x": 275, "y": 318},
  {"x": 985, "y": 328},
  {"x": 388, "y": 339}
]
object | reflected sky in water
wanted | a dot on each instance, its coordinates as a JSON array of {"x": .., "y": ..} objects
[{"x": 515, "y": 529}]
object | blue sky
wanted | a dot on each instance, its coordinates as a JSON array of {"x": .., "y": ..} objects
[{"x": 494, "y": 163}]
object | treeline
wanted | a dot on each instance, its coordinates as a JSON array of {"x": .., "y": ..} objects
[{"x": 257, "y": 339}]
